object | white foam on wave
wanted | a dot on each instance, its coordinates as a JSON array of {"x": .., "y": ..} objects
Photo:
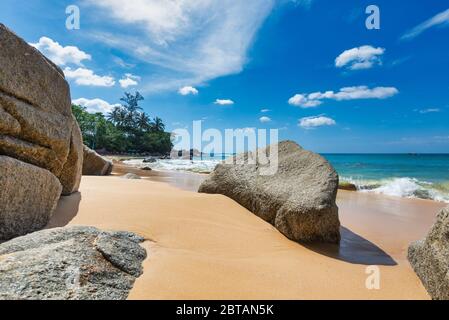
[
  {"x": 199, "y": 166},
  {"x": 401, "y": 187}
]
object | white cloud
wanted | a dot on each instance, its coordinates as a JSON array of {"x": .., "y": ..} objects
[
  {"x": 348, "y": 93},
  {"x": 364, "y": 57},
  {"x": 265, "y": 119},
  {"x": 95, "y": 105},
  {"x": 185, "y": 91},
  {"x": 224, "y": 102},
  {"x": 86, "y": 77},
  {"x": 265, "y": 110},
  {"x": 429, "y": 110},
  {"x": 314, "y": 122},
  {"x": 129, "y": 81},
  {"x": 60, "y": 55},
  {"x": 441, "y": 18},
  {"x": 191, "y": 42}
]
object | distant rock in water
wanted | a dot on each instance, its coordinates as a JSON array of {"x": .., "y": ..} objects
[
  {"x": 430, "y": 258},
  {"x": 95, "y": 165},
  {"x": 299, "y": 200},
  {"x": 347, "y": 186},
  {"x": 72, "y": 263},
  {"x": 37, "y": 128},
  {"x": 131, "y": 176}
]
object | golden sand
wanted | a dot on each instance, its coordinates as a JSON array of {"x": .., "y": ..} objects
[{"x": 209, "y": 247}]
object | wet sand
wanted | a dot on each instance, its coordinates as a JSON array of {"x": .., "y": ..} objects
[{"x": 209, "y": 247}]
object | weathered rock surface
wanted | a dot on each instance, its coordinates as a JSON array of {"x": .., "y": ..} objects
[
  {"x": 73, "y": 168},
  {"x": 430, "y": 258},
  {"x": 73, "y": 263},
  {"x": 28, "y": 197},
  {"x": 94, "y": 164},
  {"x": 36, "y": 127},
  {"x": 299, "y": 199}
]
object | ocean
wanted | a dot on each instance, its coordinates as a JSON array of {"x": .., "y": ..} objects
[{"x": 424, "y": 176}]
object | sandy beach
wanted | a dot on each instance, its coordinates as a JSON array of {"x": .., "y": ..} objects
[{"x": 209, "y": 247}]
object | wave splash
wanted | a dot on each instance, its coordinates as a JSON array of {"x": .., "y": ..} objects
[{"x": 403, "y": 187}]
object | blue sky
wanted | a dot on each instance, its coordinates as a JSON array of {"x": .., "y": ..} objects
[{"x": 312, "y": 66}]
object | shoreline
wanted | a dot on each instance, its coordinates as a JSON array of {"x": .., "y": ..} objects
[{"x": 209, "y": 247}]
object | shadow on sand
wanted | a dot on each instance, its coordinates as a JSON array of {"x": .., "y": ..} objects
[
  {"x": 66, "y": 210},
  {"x": 354, "y": 249}
]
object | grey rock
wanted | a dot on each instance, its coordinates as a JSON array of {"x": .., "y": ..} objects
[
  {"x": 70, "y": 176},
  {"x": 131, "y": 176},
  {"x": 28, "y": 197},
  {"x": 72, "y": 263},
  {"x": 94, "y": 164},
  {"x": 430, "y": 258},
  {"x": 37, "y": 125},
  {"x": 299, "y": 200}
]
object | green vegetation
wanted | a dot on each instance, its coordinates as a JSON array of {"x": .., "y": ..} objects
[{"x": 127, "y": 129}]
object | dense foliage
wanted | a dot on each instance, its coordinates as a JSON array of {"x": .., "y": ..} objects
[{"x": 126, "y": 129}]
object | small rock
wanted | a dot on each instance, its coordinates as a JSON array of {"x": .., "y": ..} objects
[{"x": 347, "y": 186}]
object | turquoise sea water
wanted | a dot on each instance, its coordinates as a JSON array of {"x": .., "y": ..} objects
[
  {"x": 405, "y": 175},
  {"x": 423, "y": 176}
]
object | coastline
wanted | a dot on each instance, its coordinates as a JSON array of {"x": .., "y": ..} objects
[{"x": 209, "y": 247}]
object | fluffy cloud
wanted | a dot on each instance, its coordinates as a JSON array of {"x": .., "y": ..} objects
[
  {"x": 185, "y": 91},
  {"x": 224, "y": 102},
  {"x": 265, "y": 119},
  {"x": 348, "y": 93},
  {"x": 95, "y": 105},
  {"x": 314, "y": 122},
  {"x": 191, "y": 42},
  {"x": 265, "y": 110},
  {"x": 440, "y": 19},
  {"x": 129, "y": 81},
  {"x": 59, "y": 54},
  {"x": 364, "y": 57},
  {"x": 86, "y": 77}
]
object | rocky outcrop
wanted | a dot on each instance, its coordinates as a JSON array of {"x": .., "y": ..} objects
[
  {"x": 28, "y": 196},
  {"x": 36, "y": 127},
  {"x": 95, "y": 165},
  {"x": 430, "y": 258},
  {"x": 74, "y": 263},
  {"x": 298, "y": 199}
]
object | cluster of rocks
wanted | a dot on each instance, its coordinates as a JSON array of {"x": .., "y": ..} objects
[
  {"x": 41, "y": 158},
  {"x": 41, "y": 150}
]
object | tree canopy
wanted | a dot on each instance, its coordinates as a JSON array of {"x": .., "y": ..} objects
[{"x": 126, "y": 129}]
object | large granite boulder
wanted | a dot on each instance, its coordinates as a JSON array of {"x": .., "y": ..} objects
[
  {"x": 28, "y": 197},
  {"x": 36, "y": 127},
  {"x": 73, "y": 263},
  {"x": 430, "y": 258},
  {"x": 298, "y": 199},
  {"x": 94, "y": 164}
]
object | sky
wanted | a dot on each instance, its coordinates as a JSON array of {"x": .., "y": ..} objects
[{"x": 310, "y": 68}]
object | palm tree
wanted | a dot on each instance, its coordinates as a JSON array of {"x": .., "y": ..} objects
[
  {"x": 158, "y": 125},
  {"x": 132, "y": 101},
  {"x": 143, "y": 121}
]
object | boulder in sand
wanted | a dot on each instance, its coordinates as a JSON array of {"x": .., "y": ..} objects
[
  {"x": 299, "y": 199},
  {"x": 94, "y": 164},
  {"x": 73, "y": 263},
  {"x": 430, "y": 258},
  {"x": 28, "y": 197}
]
